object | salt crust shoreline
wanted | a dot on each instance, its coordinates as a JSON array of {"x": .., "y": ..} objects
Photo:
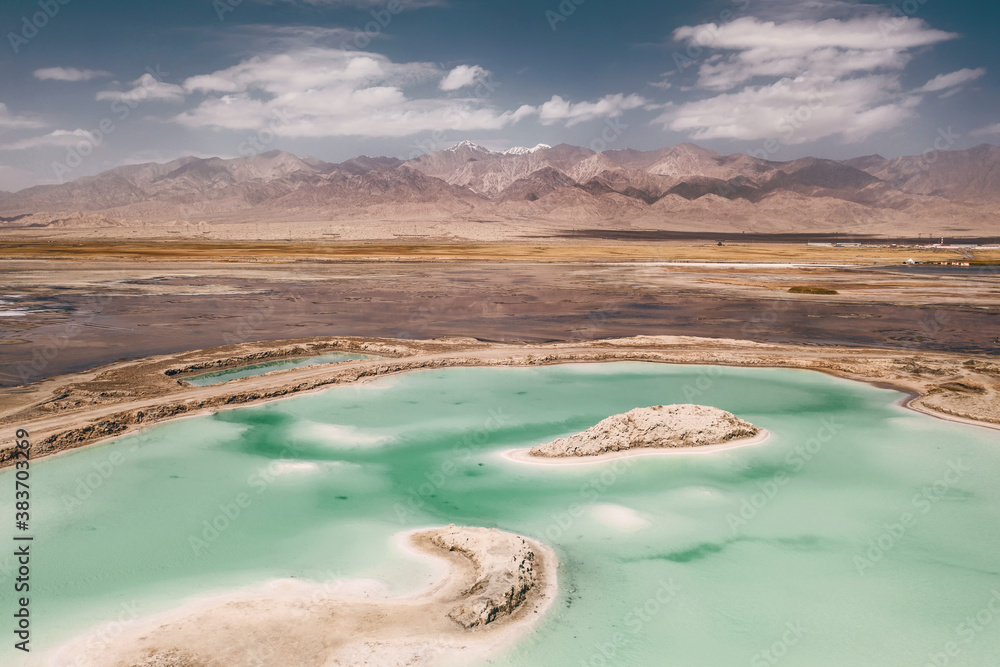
[
  {"x": 78, "y": 410},
  {"x": 490, "y": 587}
]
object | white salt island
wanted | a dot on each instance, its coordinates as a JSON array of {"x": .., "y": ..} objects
[{"x": 653, "y": 430}]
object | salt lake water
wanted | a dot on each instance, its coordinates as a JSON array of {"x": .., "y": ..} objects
[
  {"x": 860, "y": 533},
  {"x": 216, "y": 377}
]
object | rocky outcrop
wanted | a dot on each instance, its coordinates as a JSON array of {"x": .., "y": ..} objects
[
  {"x": 506, "y": 572},
  {"x": 660, "y": 426}
]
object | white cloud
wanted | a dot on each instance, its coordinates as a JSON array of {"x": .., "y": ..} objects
[
  {"x": 60, "y": 138},
  {"x": 260, "y": 38},
  {"x": 801, "y": 80},
  {"x": 794, "y": 112},
  {"x": 462, "y": 76},
  {"x": 9, "y": 121},
  {"x": 867, "y": 34},
  {"x": 69, "y": 74},
  {"x": 946, "y": 81},
  {"x": 324, "y": 92},
  {"x": 146, "y": 87},
  {"x": 986, "y": 131},
  {"x": 610, "y": 106}
]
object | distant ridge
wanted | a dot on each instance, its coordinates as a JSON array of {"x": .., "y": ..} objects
[{"x": 679, "y": 187}]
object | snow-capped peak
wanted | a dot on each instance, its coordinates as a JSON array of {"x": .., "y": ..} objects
[
  {"x": 521, "y": 150},
  {"x": 516, "y": 150},
  {"x": 471, "y": 146}
]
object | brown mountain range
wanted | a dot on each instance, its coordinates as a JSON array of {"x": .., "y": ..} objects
[{"x": 543, "y": 190}]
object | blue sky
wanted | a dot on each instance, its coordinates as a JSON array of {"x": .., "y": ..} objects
[{"x": 91, "y": 84}]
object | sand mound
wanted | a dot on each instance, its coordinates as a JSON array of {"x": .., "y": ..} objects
[{"x": 657, "y": 427}]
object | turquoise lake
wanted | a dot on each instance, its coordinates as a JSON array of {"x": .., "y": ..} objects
[
  {"x": 860, "y": 533},
  {"x": 217, "y": 377}
]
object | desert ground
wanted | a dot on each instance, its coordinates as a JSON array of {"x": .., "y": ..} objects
[{"x": 68, "y": 308}]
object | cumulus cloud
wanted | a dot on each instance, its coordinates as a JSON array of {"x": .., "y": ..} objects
[
  {"x": 866, "y": 34},
  {"x": 9, "y": 121},
  {"x": 558, "y": 110},
  {"x": 986, "y": 131},
  {"x": 463, "y": 76},
  {"x": 146, "y": 87},
  {"x": 59, "y": 138},
  {"x": 803, "y": 79},
  {"x": 68, "y": 74},
  {"x": 323, "y": 92},
  {"x": 795, "y": 111},
  {"x": 953, "y": 80}
]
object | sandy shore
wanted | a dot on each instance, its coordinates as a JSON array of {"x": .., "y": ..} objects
[
  {"x": 494, "y": 587},
  {"x": 82, "y": 409},
  {"x": 522, "y": 455}
]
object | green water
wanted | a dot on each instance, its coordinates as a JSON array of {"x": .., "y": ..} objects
[
  {"x": 217, "y": 377},
  {"x": 694, "y": 560}
]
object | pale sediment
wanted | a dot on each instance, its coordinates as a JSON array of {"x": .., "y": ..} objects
[
  {"x": 498, "y": 585},
  {"x": 652, "y": 428}
]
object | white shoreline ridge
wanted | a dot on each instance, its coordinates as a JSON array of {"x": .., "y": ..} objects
[
  {"x": 496, "y": 586},
  {"x": 656, "y": 430}
]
